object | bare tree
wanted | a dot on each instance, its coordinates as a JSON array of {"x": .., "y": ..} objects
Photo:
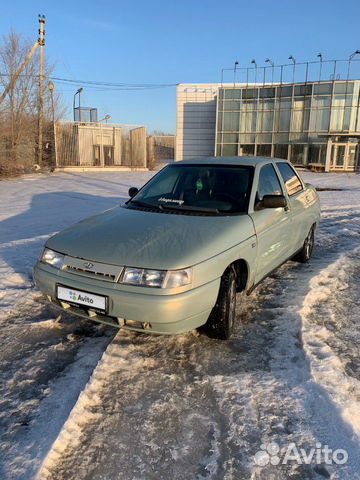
[{"x": 18, "y": 112}]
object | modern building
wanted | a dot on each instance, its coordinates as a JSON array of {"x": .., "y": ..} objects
[{"x": 313, "y": 124}]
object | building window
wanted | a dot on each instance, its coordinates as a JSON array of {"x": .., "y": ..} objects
[
  {"x": 231, "y": 93},
  {"x": 281, "y": 151},
  {"x": 266, "y": 116},
  {"x": 352, "y": 155},
  {"x": 317, "y": 154},
  {"x": 246, "y": 138},
  {"x": 229, "y": 150},
  {"x": 300, "y": 116},
  {"x": 302, "y": 90},
  {"x": 267, "y": 92},
  {"x": 285, "y": 91},
  {"x": 231, "y": 122},
  {"x": 230, "y": 138},
  {"x": 288, "y": 121},
  {"x": 344, "y": 87},
  {"x": 264, "y": 150},
  {"x": 297, "y": 154},
  {"x": 247, "y": 150},
  {"x": 249, "y": 93},
  {"x": 323, "y": 89},
  {"x": 248, "y": 121},
  {"x": 320, "y": 114},
  {"x": 340, "y": 113}
]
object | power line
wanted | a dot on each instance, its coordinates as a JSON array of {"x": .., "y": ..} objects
[
  {"x": 102, "y": 85},
  {"x": 116, "y": 84}
]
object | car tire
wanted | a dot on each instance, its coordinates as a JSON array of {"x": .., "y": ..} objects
[
  {"x": 222, "y": 317},
  {"x": 306, "y": 251}
]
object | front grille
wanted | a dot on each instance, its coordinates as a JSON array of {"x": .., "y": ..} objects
[
  {"x": 104, "y": 276},
  {"x": 87, "y": 268}
]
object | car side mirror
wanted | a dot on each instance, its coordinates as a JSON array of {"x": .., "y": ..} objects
[
  {"x": 133, "y": 191},
  {"x": 273, "y": 201}
]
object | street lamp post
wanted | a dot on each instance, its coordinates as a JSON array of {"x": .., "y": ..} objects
[
  {"x": 235, "y": 65},
  {"x": 254, "y": 62},
  {"x": 272, "y": 68},
  {"x": 51, "y": 87},
  {"x": 292, "y": 58},
  {"x": 106, "y": 118},
  {"x": 78, "y": 92},
  {"x": 321, "y": 60},
  {"x": 357, "y": 52}
]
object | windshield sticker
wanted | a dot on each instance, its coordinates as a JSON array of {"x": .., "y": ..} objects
[{"x": 171, "y": 200}]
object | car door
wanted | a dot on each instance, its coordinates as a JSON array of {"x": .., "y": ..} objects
[
  {"x": 299, "y": 199},
  {"x": 272, "y": 225}
]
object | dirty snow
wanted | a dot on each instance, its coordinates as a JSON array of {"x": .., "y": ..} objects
[
  {"x": 44, "y": 362},
  {"x": 184, "y": 407}
]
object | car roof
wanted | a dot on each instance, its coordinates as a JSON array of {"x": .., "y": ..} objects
[{"x": 241, "y": 161}]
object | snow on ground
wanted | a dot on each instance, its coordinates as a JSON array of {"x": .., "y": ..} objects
[
  {"x": 184, "y": 407},
  {"x": 44, "y": 363}
]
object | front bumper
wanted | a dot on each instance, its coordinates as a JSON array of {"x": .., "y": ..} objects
[{"x": 127, "y": 308}]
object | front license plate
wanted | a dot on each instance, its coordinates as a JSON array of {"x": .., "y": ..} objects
[{"x": 79, "y": 297}]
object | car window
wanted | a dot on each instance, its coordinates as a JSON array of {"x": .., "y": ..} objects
[
  {"x": 291, "y": 180},
  {"x": 269, "y": 183},
  {"x": 165, "y": 184},
  {"x": 213, "y": 189}
]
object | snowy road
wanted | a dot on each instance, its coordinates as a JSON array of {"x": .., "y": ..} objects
[
  {"x": 44, "y": 364},
  {"x": 183, "y": 407}
]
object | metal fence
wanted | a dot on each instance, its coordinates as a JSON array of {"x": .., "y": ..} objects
[
  {"x": 163, "y": 147},
  {"x": 294, "y": 72},
  {"x": 100, "y": 145}
]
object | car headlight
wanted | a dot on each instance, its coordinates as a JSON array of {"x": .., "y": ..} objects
[
  {"x": 52, "y": 258},
  {"x": 143, "y": 277}
]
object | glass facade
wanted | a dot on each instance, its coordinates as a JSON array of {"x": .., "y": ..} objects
[{"x": 309, "y": 124}]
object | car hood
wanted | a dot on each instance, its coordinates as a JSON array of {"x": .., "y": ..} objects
[{"x": 123, "y": 236}]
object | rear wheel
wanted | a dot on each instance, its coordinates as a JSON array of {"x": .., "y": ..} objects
[
  {"x": 222, "y": 317},
  {"x": 306, "y": 251}
]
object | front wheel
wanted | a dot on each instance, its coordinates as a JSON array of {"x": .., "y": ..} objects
[
  {"x": 306, "y": 251},
  {"x": 222, "y": 317}
]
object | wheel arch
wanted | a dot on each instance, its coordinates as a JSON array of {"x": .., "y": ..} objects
[{"x": 242, "y": 271}]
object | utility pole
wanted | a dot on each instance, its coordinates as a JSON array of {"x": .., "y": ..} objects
[
  {"x": 41, "y": 87},
  {"x": 18, "y": 73}
]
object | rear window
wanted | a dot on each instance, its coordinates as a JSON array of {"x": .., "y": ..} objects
[{"x": 291, "y": 180}]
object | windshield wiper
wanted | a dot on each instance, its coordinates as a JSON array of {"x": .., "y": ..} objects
[
  {"x": 180, "y": 208},
  {"x": 190, "y": 208},
  {"x": 139, "y": 203}
]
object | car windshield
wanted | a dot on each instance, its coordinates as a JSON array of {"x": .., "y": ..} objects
[{"x": 193, "y": 188}]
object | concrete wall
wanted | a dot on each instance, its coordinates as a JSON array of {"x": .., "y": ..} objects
[{"x": 195, "y": 120}]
